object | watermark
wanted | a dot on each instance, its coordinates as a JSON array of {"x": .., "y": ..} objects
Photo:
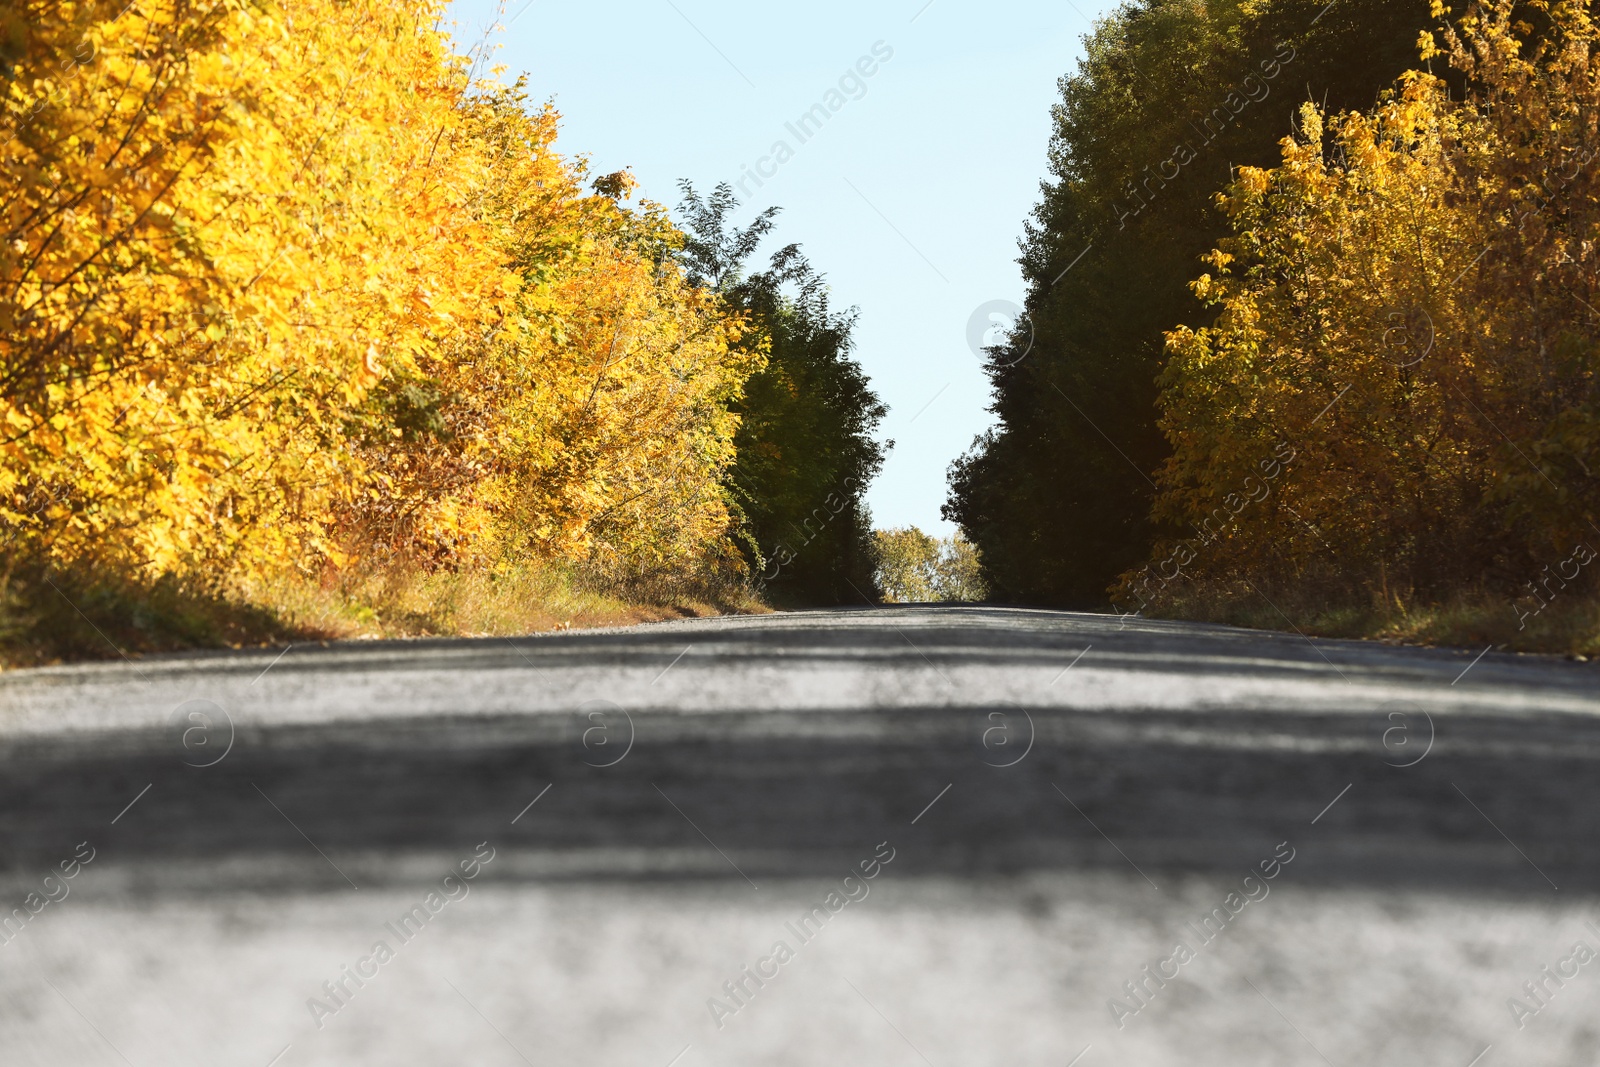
[
  {"x": 53, "y": 889},
  {"x": 83, "y": 53},
  {"x": 1000, "y": 737},
  {"x": 852, "y": 85},
  {"x": 1582, "y": 556},
  {"x": 741, "y": 990},
  {"x": 832, "y": 505},
  {"x": 1141, "y": 991},
  {"x": 205, "y": 732},
  {"x": 1212, "y": 124},
  {"x": 992, "y": 328},
  {"x": 600, "y": 737},
  {"x": 452, "y": 887},
  {"x": 1225, "y": 515},
  {"x": 1544, "y": 196},
  {"x": 1397, "y": 738},
  {"x": 1408, "y": 336},
  {"x": 1542, "y": 989}
]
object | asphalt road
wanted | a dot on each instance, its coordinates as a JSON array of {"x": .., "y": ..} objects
[{"x": 593, "y": 832}]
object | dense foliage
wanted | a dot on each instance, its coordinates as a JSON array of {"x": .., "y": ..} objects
[
  {"x": 1401, "y": 391},
  {"x": 805, "y": 448},
  {"x": 1171, "y": 96},
  {"x": 283, "y": 286},
  {"x": 916, "y": 567}
]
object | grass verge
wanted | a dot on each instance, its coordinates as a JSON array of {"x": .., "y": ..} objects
[
  {"x": 54, "y": 617},
  {"x": 1568, "y": 625}
]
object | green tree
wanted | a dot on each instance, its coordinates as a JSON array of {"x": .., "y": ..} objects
[
  {"x": 907, "y": 565},
  {"x": 1170, "y": 97},
  {"x": 915, "y": 567},
  {"x": 958, "y": 574},
  {"x": 805, "y": 448}
]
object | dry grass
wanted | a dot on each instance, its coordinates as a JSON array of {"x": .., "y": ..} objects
[
  {"x": 1569, "y": 625},
  {"x": 54, "y": 617}
]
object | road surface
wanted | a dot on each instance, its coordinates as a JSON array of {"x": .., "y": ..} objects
[{"x": 1126, "y": 841}]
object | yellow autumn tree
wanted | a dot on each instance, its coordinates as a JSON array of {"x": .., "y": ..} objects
[
  {"x": 222, "y": 230},
  {"x": 1399, "y": 392},
  {"x": 589, "y": 422},
  {"x": 284, "y": 287}
]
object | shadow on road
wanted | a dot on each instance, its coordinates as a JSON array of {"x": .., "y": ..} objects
[{"x": 1509, "y": 802}]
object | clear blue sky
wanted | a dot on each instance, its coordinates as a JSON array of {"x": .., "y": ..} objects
[{"x": 910, "y": 197}]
